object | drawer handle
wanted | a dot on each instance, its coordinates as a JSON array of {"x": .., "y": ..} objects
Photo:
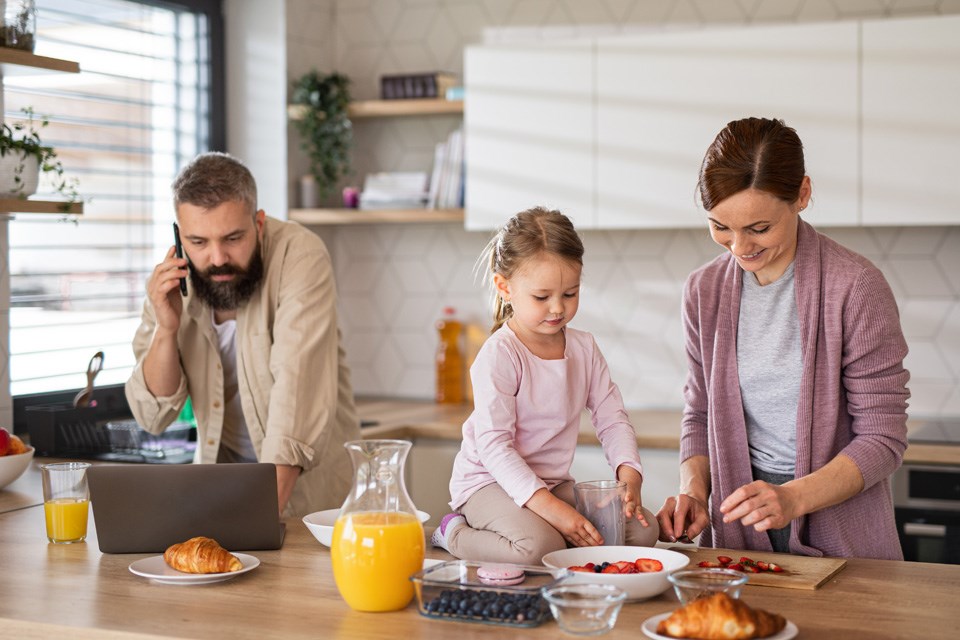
[{"x": 928, "y": 530}]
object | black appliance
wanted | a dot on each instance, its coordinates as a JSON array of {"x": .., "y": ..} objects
[{"x": 926, "y": 500}]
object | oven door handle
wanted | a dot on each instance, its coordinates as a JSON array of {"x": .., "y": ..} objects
[{"x": 925, "y": 530}]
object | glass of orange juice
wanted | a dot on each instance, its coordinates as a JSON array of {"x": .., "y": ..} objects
[{"x": 66, "y": 501}]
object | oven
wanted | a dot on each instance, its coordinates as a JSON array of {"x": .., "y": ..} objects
[{"x": 926, "y": 501}]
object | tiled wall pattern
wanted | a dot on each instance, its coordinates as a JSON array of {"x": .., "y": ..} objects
[{"x": 395, "y": 280}]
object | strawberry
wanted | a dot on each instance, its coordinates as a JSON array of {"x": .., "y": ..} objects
[
  {"x": 626, "y": 567},
  {"x": 776, "y": 568},
  {"x": 725, "y": 559},
  {"x": 736, "y": 566},
  {"x": 580, "y": 569},
  {"x": 648, "y": 565},
  {"x": 706, "y": 564},
  {"x": 763, "y": 566},
  {"x": 611, "y": 569},
  {"x": 749, "y": 568},
  {"x": 590, "y": 566},
  {"x": 745, "y": 560}
]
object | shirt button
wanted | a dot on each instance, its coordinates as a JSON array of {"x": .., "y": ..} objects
[
  {"x": 211, "y": 442},
  {"x": 216, "y": 405}
]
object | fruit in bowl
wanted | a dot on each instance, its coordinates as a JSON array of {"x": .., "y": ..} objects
[
  {"x": 640, "y": 583},
  {"x": 320, "y": 523},
  {"x": 15, "y": 457}
]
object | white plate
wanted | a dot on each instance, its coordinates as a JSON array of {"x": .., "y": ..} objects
[
  {"x": 159, "y": 571},
  {"x": 650, "y": 628}
]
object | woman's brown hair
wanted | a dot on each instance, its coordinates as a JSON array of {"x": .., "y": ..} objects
[
  {"x": 524, "y": 236},
  {"x": 753, "y": 153}
]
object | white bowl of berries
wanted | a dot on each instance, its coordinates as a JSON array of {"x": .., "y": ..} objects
[{"x": 639, "y": 571}]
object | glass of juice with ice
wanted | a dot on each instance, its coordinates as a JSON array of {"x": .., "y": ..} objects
[
  {"x": 378, "y": 540},
  {"x": 66, "y": 501}
]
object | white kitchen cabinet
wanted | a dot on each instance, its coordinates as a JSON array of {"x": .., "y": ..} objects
[
  {"x": 911, "y": 121},
  {"x": 529, "y": 132},
  {"x": 662, "y": 98}
]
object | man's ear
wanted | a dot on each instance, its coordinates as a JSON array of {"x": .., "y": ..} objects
[{"x": 259, "y": 219}]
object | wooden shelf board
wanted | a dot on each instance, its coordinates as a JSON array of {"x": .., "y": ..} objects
[
  {"x": 16, "y": 205},
  {"x": 390, "y": 108},
  {"x": 382, "y": 216},
  {"x": 20, "y": 62}
]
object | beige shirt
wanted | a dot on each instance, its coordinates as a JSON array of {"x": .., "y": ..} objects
[{"x": 293, "y": 381}]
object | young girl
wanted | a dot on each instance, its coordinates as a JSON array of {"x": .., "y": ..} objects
[{"x": 511, "y": 489}]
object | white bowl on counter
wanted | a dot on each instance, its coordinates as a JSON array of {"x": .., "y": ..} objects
[
  {"x": 12, "y": 467},
  {"x": 638, "y": 586},
  {"x": 320, "y": 523}
]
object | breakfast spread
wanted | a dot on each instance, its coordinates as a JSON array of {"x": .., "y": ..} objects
[
  {"x": 500, "y": 574},
  {"x": 720, "y": 617},
  {"x": 745, "y": 564},
  {"x": 640, "y": 565},
  {"x": 201, "y": 555}
]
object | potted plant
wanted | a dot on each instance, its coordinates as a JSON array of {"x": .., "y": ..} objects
[
  {"x": 323, "y": 125},
  {"x": 19, "y": 25},
  {"x": 23, "y": 156}
]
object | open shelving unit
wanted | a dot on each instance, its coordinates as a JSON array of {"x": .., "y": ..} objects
[
  {"x": 19, "y": 62},
  {"x": 381, "y": 216},
  {"x": 391, "y": 108}
]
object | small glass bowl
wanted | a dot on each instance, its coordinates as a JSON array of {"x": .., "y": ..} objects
[
  {"x": 585, "y": 609},
  {"x": 692, "y": 584}
]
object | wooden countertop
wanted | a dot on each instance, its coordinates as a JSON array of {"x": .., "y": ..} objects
[
  {"x": 656, "y": 429},
  {"x": 74, "y": 591}
]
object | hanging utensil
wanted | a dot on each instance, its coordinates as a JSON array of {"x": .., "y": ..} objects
[{"x": 82, "y": 399}]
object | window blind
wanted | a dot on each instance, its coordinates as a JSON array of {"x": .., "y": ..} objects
[{"x": 138, "y": 111}]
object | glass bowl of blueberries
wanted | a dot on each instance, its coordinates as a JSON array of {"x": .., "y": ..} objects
[{"x": 489, "y": 593}]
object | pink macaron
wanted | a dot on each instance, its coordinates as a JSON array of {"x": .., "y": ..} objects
[{"x": 501, "y": 575}]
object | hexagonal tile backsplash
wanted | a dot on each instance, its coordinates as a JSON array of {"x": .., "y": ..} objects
[{"x": 395, "y": 280}]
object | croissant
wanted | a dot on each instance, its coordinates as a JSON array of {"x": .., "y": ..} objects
[
  {"x": 720, "y": 617},
  {"x": 201, "y": 555}
]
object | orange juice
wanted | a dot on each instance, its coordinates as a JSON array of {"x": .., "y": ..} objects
[
  {"x": 66, "y": 519},
  {"x": 374, "y": 554}
]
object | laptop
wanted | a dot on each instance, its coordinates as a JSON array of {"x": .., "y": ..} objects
[{"x": 144, "y": 508}]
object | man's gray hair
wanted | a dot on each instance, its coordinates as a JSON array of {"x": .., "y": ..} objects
[{"x": 214, "y": 178}]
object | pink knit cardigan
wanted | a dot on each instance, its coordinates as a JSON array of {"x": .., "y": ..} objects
[{"x": 853, "y": 395}]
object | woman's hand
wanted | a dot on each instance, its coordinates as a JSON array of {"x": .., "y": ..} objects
[
  {"x": 632, "y": 506},
  {"x": 761, "y": 505},
  {"x": 574, "y": 528},
  {"x": 682, "y": 517}
]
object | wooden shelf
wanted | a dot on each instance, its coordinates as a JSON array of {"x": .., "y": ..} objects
[
  {"x": 20, "y": 62},
  {"x": 16, "y": 205},
  {"x": 390, "y": 108},
  {"x": 381, "y": 216}
]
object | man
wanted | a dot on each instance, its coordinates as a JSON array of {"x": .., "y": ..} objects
[{"x": 254, "y": 342}]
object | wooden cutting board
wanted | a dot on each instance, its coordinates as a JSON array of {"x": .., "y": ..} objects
[{"x": 799, "y": 572}]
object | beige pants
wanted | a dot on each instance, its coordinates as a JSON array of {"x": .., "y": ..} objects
[{"x": 497, "y": 530}]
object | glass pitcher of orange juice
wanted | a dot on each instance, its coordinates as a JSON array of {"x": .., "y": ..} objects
[{"x": 378, "y": 540}]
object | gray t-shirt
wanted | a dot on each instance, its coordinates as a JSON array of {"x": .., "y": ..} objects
[{"x": 770, "y": 365}]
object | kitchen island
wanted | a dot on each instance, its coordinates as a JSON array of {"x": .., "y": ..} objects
[{"x": 74, "y": 591}]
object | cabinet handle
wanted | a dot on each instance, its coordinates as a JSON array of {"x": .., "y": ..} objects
[{"x": 928, "y": 530}]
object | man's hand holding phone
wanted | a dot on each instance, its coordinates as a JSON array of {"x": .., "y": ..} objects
[{"x": 167, "y": 286}]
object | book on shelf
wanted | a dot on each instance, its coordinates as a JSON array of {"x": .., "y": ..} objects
[
  {"x": 394, "y": 190},
  {"x": 446, "y": 180},
  {"x": 416, "y": 85}
]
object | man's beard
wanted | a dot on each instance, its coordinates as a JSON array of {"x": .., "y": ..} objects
[{"x": 229, "y": 295}]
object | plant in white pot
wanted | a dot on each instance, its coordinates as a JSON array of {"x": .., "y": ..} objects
[{"x": 23, "y": 156}]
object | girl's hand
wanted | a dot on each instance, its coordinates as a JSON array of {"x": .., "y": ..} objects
[
  {"x": 682, "y": 518},
  {"x": 632, "y": 507},
  {"x": 574, "y": 528}
]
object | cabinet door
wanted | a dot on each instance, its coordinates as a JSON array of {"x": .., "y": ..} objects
[
  {"x": 663, "y": 98},
  {"x": 911, "y": 121},
  {"x": 529, "y": 132}
]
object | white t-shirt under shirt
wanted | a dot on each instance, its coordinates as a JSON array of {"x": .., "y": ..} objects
[{"x": 235, "y": 445}]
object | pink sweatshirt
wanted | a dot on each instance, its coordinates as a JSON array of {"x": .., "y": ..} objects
[{"x": 523, "y": 430}]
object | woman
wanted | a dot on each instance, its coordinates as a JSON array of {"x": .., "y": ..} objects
[{"x": 795, "y": 401}]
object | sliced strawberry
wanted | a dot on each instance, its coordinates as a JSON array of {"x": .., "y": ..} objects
[
  {"x": 611, "y": 569},
  {"x": 706, "y": 564},
  {"x": 590, "y": 565},
  {"x": 581, "y": 569},
  {"x": 776, "y": 568},
  {"x": 725, "y": 559},
  {"x": 648, "y": 565},
  {"x": 736, "y": 566},
  {"x": 746, "y": 560},
  {"x": 763, "y": 566},
  {"x": 625, "y": 567},
  {"x": 749, "y": 568}
]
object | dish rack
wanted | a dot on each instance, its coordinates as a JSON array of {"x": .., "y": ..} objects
[{"x": 63, "y": 430}]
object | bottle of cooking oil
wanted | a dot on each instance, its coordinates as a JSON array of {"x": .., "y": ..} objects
[{"x": 449, "y": 359}]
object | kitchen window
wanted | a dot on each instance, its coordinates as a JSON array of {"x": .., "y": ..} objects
[{"x": 147, "y": 100}]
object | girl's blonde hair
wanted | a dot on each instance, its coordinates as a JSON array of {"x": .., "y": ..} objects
[{"x": 524, "y": 236}]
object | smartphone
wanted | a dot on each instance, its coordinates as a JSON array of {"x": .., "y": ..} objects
[{"x": 178, "y": 248}]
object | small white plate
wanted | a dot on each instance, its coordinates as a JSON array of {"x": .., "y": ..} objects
[
  {"x": 159, "y": 571},
  {"x": 650, "y": 629}
]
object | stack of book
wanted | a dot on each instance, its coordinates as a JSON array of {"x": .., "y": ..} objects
[
  {"x": 416, "y": 85},
  {"x": 446, "y": 181},
  {"x": 394, "y": 190}
]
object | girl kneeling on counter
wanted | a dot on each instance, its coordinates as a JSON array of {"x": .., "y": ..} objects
[{"x": 511, "y": 489}]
